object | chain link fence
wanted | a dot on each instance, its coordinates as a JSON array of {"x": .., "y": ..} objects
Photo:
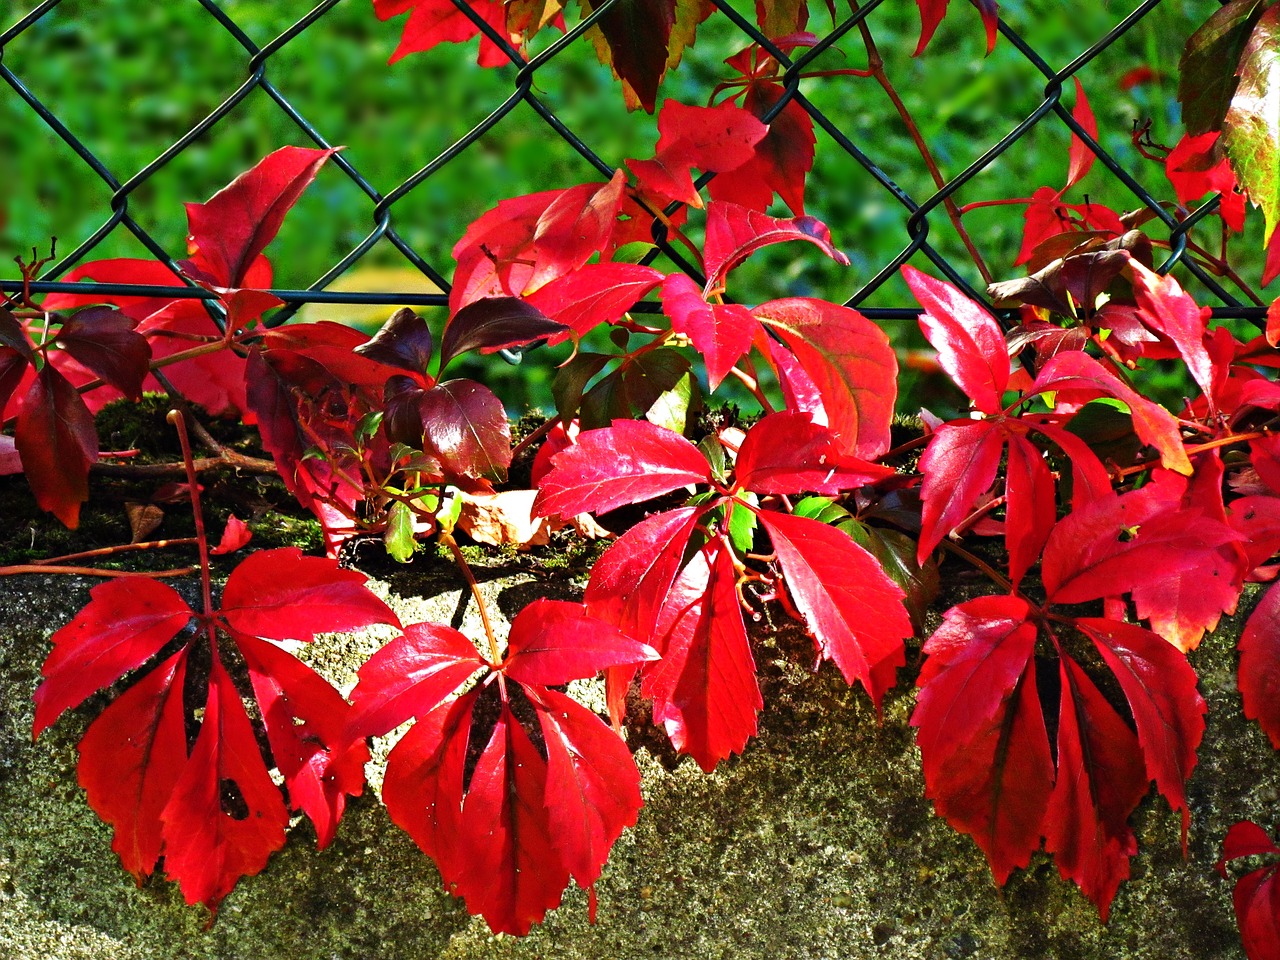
[{"x": 921, "y": 215}]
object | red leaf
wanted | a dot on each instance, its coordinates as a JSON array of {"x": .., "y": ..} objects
[
  {"x": 782, "y": 160},
  {"x": 1080, "y": 156},
  {"x": 713, "y": 139},
  {"x": 1183, "y": 603},
  {"x": 595, "y": 294},
  {"x": 215, "y": 381},
  {"x": 1115, "y": 544},
  {"x": 282, "y": 595},
  {"x": 788, "y": 453},
  {"x": 1257, "y": 894},
  {"x": 410, "y": 677},
  {"x": 465, "y": 428},
  {"x": 1100, "y": 782},
  {"x": 512, "y": 873},
  {"x": 131, "y": 758},
  {"x": 235, "y": 537},
  {"x": 1260, "y": 665},
  {"x": 237, "y": 222},
  {"x": 404, "y": 341},
  {"x": 125, "y": 623},
  {"x": 631, "y": 579},
  {"x": 1166, "y": 309},
  {"x": 970, "y": 344},
  {"x": 630, "y": 462},
  {"x": 721, "y": 332},
  {"x": 735, "y": 232},
  {"x": 13, "y": 366},
  {"x": 1167, "y": 709},
  {"x": 1047, "y": 216},
  {"x": 1030, "y": 506},
  {"x": 932, "y": 12},
  {"x": 850, "y": 606},
  {"x": 105, "y": 342},
  {"x": 1196, "y": 166},
  {"x": 305, "y": 719},
  {"x": 959, "y": 466},
  {"x": 56, "y": 439},
  {"x": 433, "y": 22},
  {"x": 422, "y": 788},
  {"x": 553, "y": 642},
  {"x": 225, "y": 817},
  {"x": 492, "y": 324},
  {"x": 849, "y": 360},
  {"x": 981, "y": 734},
  {"x": 705, "y": 691},
  {"x": 120, "y": 270},
  {"x": 1083, "y": 378},
  {"x": 593, "y": 787}
]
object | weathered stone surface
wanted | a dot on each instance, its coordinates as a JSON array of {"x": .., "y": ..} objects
[{"x": 817, "y": 843}]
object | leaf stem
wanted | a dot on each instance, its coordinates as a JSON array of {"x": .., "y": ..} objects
[
  {"x": 998, "y": 578},
  {"x": 876, "y": 68},
  {"x": 495, "y": 657},
  {"x": 92, "y": 572},
  {"x": 179, "y": 421},
  {"x": 120, "y": 548}
]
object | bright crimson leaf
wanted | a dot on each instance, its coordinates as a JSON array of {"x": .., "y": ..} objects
[
  {"x": 593, "y": 786},
  {"x": 851, "y": 608},
  {"x": 432, "y": 22},
  {"x": 1079, "y": 375},
  {"x": 1167, "y": 309},
  {"x": 305, "y": 717},
  {"x": 553, "y": 642},
  {"x": 850, "y": 363},
  {"x": 970, "y": 344},
  {"x": 283, "y": 595},
  {"x": 235, "y": 536},
  {"x": 1260, "y": 665},
  {"x": 629, "y": 462},
  {"x": 131, "y": 758},
  {"x": 1168, "y": 711},
  {"x": 595, "y": 294},
  {"x": 1080, "y": 156},
  {"x": 713, "y": 139},
  {"x": 788, "y": 453},
  {"x": 932, "y": 12},
  {"x": 124, "y": 625},
  {"x": 782, "y": 160},
  {"x": 734, "y": 232},
  {"x": 722, "y": 332},
  {"x": 1196, "y": 166},
  {"x": 959, "y": 466},
  {"x": 981, "y": 731},
  {"x": 1101, "y": 780},
  {"x": 225, "y": 817},
  {"x": 704, "y": 690},
  {"x": 237, "y": 222},
  {"x": 1030, "y": 505},
  {"x": 410, "y": 677},
  {"x": 1257, "y": 894}
]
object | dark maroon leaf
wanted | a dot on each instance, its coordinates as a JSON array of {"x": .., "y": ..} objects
[
  {"x": 14, "y": 337},
  {"x": 495, "y": 323},
  {"x": 1207, "y": 74},
  {"x": 404, "y": 341},
  {"x": 57, "y": 442},
  {"x": 103, "y": 339},
  {"x": 465, "y": 428}
]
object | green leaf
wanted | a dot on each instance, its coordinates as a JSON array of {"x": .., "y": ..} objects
[
  {"x": 823, "y": 509},
  {"x": 398, "y": 536},
  {"x": 1207, "y": 70},
  {"x": 709, "y": 446},
  {"x": 674, "y": 407},
  {"x": 1251, "y": 132},
  {"x": 897, "y": 555},
  {"x": 632, "y": 389},
  {"x": 742, "y": 523}
]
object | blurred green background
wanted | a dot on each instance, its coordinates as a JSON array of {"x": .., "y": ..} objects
[{"x": 130, "y": 77}]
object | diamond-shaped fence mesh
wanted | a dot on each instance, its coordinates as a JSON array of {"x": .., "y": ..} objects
[{"x": 882, "y": 209}]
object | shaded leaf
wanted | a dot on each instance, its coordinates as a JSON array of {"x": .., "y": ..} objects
[
  {"x": 56, "y": 439},
  {"x": 494, "y": 323}
]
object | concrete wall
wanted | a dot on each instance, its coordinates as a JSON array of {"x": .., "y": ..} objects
[{"x": 817, "y": 843}]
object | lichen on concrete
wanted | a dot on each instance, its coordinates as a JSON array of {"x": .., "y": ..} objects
[{"x": 816, "y": 843}]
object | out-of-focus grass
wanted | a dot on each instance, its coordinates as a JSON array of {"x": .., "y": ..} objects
[{"x": 130, "y": 78}]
